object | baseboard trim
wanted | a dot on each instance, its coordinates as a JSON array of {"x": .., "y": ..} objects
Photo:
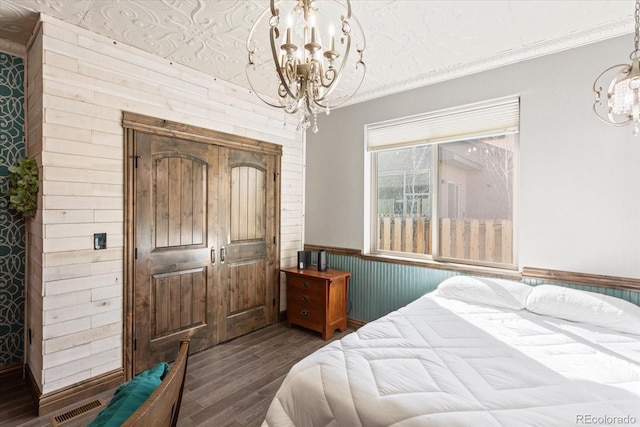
[
  {"x": 58, "y": 399},
  {"x": 352, "y": 323},
  {"x": 355, "y": 324},
  {"x": 12, "y": 372}
]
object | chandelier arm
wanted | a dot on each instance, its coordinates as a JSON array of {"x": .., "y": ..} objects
[
  {"x": 337, "y": 104},
  {"x": 595, "y": 83},
  {"x": 338, "y": 73},
  {"x": 251, "y": 48},
  {"x": 275, "y": 60},
  {"x": 612, "y": 121},
  {"x": 364, "y": 38},
  {"x": 598, "y": 91},
  {"x": 291, "y": 70},
  {"x": 258, "y": 93},
  {"x": 322, "y": 74},
  {"x": 344, "y": 62}
]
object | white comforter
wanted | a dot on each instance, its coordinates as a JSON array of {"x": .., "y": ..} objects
[{"x": 440, "y": 362}]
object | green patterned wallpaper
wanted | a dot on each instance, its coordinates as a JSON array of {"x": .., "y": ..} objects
[{"x": 12, "y": 228}]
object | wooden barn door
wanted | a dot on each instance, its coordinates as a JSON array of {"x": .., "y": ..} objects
[
  {"x": 247, "y": 217},
  {"x": 175, "y": 273},
  {"x": 202, "y": 238}
]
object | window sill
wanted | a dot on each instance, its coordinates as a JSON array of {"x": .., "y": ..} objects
[
  {"x": 438, "y": 265},
  {"x": 424, "y": 263}
]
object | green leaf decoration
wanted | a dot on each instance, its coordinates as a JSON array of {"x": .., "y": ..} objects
[{"x": 23, "y": 186}]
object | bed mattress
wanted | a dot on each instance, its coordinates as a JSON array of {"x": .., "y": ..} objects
[{"x": 443, "y": 362}]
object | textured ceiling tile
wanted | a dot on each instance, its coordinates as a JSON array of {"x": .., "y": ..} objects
[
  {"x": 16, "y": 23},
  {"x": 551, "y": 17},
  {"x": 463, "y": 31},
  {"x": 410, "y": 43}
]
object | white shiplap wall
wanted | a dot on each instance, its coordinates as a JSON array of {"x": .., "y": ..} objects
[{"x": 87, "y": 81}]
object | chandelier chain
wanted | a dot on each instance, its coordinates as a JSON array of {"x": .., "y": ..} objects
[{"x": 637, "y": 29}]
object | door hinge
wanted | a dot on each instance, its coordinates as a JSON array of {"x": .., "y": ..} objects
[
  {"x": 135, "y": 253},
  {"x": 274, "y": 302},
  {"x": 135, "y": 344},
  {"x": 135, "y": 161},
  {"x": 274, "y": 240},
  {"x": 275, "y": 176}
]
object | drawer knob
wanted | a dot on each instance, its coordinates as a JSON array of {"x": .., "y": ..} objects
[
  {"x": 304, "y": 312},
  {"x": 305, "y": 298},
  {"x": 305, "y": 285}
]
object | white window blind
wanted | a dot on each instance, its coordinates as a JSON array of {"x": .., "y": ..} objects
[{"x": 479, "y": 120}]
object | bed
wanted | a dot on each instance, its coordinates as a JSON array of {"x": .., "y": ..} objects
[{"x": 482, "y": 352}]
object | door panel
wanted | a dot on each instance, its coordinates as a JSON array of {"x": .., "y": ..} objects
[
  {"x": 178, "y": 301},
  {"x": 175, "y": 278},
  {"x": 247, "y": 285},
  {"x": 180, "y": 194},
  {"x": 247, "y": 203}
]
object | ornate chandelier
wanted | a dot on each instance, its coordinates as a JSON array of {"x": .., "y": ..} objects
[
  {"x": 309, "y": 59},
  {"x": 623, "y": 93}
]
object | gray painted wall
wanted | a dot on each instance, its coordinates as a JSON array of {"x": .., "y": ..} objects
[{"x": 578, "y": 201}]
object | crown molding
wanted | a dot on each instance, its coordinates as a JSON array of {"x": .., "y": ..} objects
[
  {"x": 13, "y": 48},
  {"x": 612, "y": 30}
]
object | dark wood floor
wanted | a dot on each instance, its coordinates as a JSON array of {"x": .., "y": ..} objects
[{"x": 231, "y": 384}]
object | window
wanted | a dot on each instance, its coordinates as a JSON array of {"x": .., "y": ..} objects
[{"x": 441, "y": 185}]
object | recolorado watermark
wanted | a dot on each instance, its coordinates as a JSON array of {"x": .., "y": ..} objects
[{"x": 610, "y": 420}]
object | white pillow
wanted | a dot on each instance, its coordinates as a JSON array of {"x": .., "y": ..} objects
[
  {"x": 483, "y": 290},
  {"x": 587, "y": 307}
]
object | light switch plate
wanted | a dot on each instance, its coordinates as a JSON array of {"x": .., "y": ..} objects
[{"x": 100, "y": 241}]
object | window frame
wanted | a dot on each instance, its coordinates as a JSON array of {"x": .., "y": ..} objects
[{"x": 371, "y": 186}]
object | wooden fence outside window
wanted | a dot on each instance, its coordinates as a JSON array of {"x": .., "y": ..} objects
[{"x": 489, "y": 240}]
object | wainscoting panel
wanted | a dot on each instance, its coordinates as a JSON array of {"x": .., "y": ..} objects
[
  {"x": 12, "y": 227},
  {"x": 378, "y": 288}
]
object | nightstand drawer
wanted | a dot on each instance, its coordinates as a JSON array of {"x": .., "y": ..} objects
[
  {"x": 305, "y": 296},
  {"x": 306, "y": 285},
  {"x": 309, "y": 317}
]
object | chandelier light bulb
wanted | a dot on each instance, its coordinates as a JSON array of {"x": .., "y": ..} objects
[{"x": 312, "y": 71}]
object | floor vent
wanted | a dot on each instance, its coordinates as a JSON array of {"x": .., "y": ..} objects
[{"x": 76, "y": 412}]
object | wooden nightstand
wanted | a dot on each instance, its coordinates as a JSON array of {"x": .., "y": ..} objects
[{"x": 317, "y": 300}]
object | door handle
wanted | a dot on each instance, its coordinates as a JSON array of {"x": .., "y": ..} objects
[
  {"x": 222, "y": 254},
  {"x": 213, "y": 256}
]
